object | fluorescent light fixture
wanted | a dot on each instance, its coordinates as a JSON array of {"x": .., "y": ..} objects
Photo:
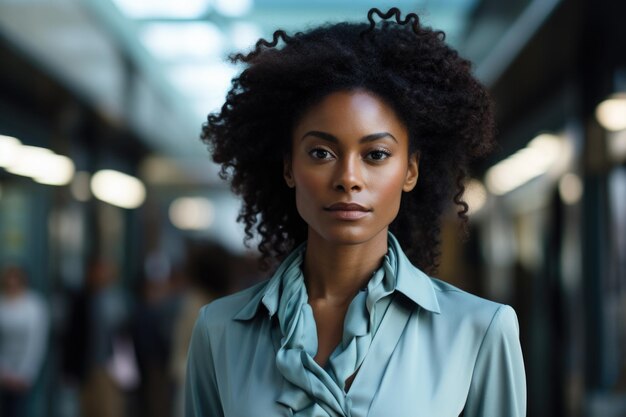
[
  {"x": 170, "y": 41},
  {"x": 144, "y": 9},
  {"x": 204, "y": 80},
  {"x": 42, "y": 165},
  {"x": 244, "y": 35},
  {"x": 161, "y": 170},
  {"x": 118, "y": 189},
  {"x": 233, "y": 8},
  {"x": 475, "y": 195},
  {"x": 611, "y": 113},
  {"x": 192, "y": 213},
  {"x": 28, "y": 161},
  {"x": 9, "y": 149},
  {"x": 55, "y": 170},
  {"x": 570, "y": 188},
  {"x": 548, "y": 146},
  {"x": 527, "y": 163}
]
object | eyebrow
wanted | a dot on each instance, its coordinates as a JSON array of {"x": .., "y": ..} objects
[{"x": 330, "y": 138}]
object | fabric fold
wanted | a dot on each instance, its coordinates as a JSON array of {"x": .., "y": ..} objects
[{"x": 310, "y": 390}]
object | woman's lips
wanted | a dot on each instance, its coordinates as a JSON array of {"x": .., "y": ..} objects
[{"x": 347, "y": 211}]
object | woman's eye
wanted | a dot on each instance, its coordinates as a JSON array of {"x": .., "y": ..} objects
[
  {"x": 379, "y": 155},
  {"x": 320, "y": 153}
]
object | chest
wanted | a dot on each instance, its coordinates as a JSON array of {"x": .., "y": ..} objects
[
  {"x": 417, "y": 370},
  {"x": 17, "y": 321},
  {"x": 16, "y": 318},
  {"x": 329, "y": 323}
]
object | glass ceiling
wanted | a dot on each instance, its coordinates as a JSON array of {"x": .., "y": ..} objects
[{"x": 190, "y": 39}]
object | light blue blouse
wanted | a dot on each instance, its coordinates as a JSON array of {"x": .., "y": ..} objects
[{"x": 421, "y": 347}]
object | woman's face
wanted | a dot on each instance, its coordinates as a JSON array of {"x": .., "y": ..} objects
[{"x": 350, "y": 148}]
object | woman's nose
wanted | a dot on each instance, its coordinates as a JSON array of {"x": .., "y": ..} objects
[{"x": 348, "y": 174}]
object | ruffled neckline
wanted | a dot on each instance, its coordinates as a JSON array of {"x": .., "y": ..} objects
[{"x": 309, "y": 389}]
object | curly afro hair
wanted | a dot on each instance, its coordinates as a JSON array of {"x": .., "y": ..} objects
[{"x": 447, "y": 112}]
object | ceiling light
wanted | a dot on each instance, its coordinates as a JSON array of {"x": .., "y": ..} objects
[
  {"x": 611, "y": 113},
  {"x": 244, "y": 35},
  {"x": 570, "y": 188},
  {"x": 475, "y": 195},
  {"x": 42, "y": 165},
  {"x": 172, "y": 41},
  {"x": 9, "y": 148},
  {"x": 233, "y": 8},
  {"x": 27, "y": 161},
  {"x": 206, "y": 81},
  {"x": 192, "y": 213},
  {"x": 118, "y": 189},
  {"x": 527, "y": 163},
  {"x": 144, "y": 9},
  {"x": 548, "y": 145},
  {"x": 55, "y": 170}
]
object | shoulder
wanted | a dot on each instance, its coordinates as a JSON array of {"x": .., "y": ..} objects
[
  {"x": 221, "y": 311},
  {"x": 35, "y": 298},
  {"x": 34, "y": 302},
  {"x": 466, "y": 309},
  {"x": 456, "y": 299}
]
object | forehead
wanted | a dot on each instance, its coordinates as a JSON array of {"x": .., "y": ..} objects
[{"x": 349, "y": 114}]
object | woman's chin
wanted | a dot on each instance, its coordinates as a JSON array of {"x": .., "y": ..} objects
[{"x": 345, "y": 235}]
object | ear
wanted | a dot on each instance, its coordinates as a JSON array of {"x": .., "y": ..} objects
[
  {"x": 412, "y": 172},
  {"x": 287, "y": 172}
]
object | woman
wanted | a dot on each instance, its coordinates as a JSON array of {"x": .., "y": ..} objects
[
  {"x": 24, "y": 330},
  {"x": 346, "y": 145}
]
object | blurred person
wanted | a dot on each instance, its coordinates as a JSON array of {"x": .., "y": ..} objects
[
  {"x": 325, "y": 138},
  {"x": 24, "y": 326},
  {"x": 96, "y": 351},
  {"x": 153, "y": 330},
  {"x": 208, "y": 276}
]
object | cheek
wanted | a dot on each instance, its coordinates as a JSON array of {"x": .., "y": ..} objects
[
  {"x": 309, "y": 187},
  {"x": 309, "y": 181},
  {"x": 390, "y": 190}
]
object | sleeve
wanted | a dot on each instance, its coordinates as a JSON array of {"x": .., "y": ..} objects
[
  {"x": 36, "y": 345},
  {"x": 201, "y": 392},
  {"x": 498, "y": 386}
]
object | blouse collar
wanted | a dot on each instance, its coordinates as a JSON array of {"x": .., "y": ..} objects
[{"x": 411, "y": 281}]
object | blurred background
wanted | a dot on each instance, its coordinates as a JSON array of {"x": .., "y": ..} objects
[{"x": 115, "y": 228}]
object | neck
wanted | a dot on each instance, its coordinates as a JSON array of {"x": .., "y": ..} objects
[{"x": 336, "y": 272}]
